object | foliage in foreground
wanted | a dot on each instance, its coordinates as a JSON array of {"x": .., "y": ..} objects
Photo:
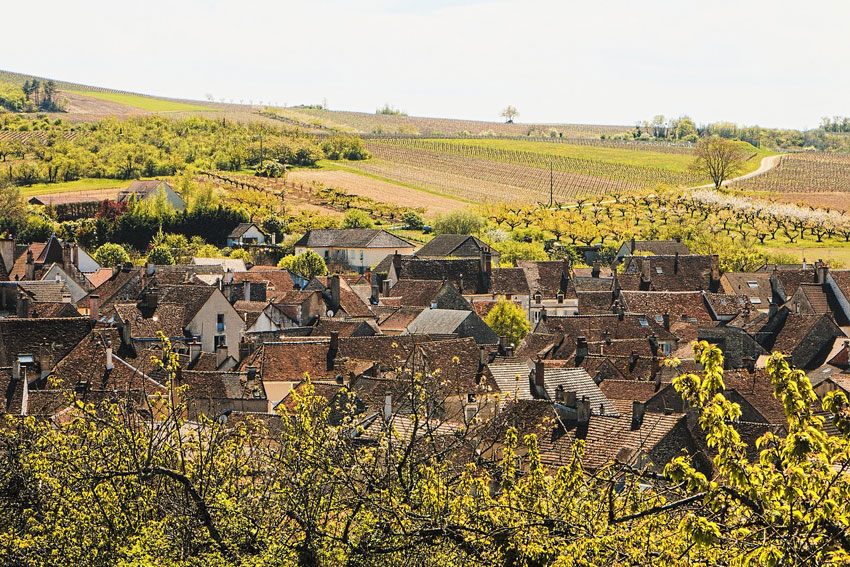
[{"x": 105, "y": 487}]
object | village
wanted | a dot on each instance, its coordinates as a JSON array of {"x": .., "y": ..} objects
[{"x": 605, "y": 341}]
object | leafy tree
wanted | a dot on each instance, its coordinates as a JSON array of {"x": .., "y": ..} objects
[
  {"x": 242, "y": 254},
  {"x": 307, "y": 264},
  {"x": 509, "y": 113},
  {"x": 511, "y": 251},
  {"x": 459, "y": 222},
  {"x": 413, "y": 220},
  {"x": 161, "y": 256},
  {"x": 111, "y": 254},
  {"x": 718, "y": 159},
  {"x": 356, "y": 218},
  {"x": 686, "y": 130},
  {"x": 508, "y": 319}
]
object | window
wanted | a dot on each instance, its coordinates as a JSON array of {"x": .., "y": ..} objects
[
  {"x": 665, "y": 348},
  {"x": 538, "y": 297},
  {"x": 643, "y": 322},
  {"x": 560, "y": 297},
  {"x": 659, "y": 270},
  {"x": 754, "y": 285},
  {"x": 693, "y": 319},
  {"x": 220, "y": 341},
  {"x": 722, "y": 301},
  {"x": 470, "y": 398},
  {"x": 219, "y": 322},
  {"x": 755, "y": 300},
  {"x": 471, "y": 412},
  {"x": 659, "y": 318}
]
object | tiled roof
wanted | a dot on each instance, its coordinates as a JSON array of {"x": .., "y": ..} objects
[
  {"x": 52, "y": 309},
  {"x": 818, "y": 297},
  {"x": 582, "y": 283},
  {"x": 48, "y": 339},
  {"x": 399, "y": 318},
  {"x": 414, "y": 293},
  {"x": 728, "y": 305},
  {"x": 11, "y": 393},
  {"x": 123, "y": 286},
  {"x": 670, "y": 273},
  {"x": 191, "y": 297},
  {"x": 98, "y": 277},
  {"x": 602, "y": 326},
  {"x": 345, "y": 328},
  {"x": 579, "y": 381},
  {"x": 145, "y": 323},
  {"x": 751, "y": 284},
  {"x": 547, "y": 277},
  {"x": 457, "y": 245},
  {"x": 509, "y": 281},
  {"x": 512, "y": 377},
  {"x": 594, "y": 302},
  {"x": 437, "y": 322},
  {"x": 351, "y": 238},
  {"x": 791, "y": 279},
  {"x": 45, "y": 291},
  {"x": 465, "y": 274},
  {"x": 221, "y": 385},
  {"x": 757, "y": 389},
  {"x": 232, "y": 264},
  {"x": 630, "y": 390}
]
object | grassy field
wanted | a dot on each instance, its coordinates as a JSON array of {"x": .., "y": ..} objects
[
  {"x": 143, "y": 102},
  {"x": 79, "y": 185}
]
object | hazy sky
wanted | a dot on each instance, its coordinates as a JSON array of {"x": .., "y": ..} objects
[{"x": 605, "y": 62}]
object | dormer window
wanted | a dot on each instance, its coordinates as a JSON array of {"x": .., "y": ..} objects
[
  {"x": 560, "y": 297},
  {"x": 643, "y": 322},
  {"x": 659, "y": 270},
  {"x": 470, "y": 398},
  {"x": 659, "y": 318},
  {"x": 753, "y": 285},
  {"x": 538, "y": 297}
]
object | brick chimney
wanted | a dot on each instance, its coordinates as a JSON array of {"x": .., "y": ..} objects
[
  {"x": 94, "y": 307},
  {"x": 334, "y": 289},
  {"x": 220, "y": 355},
  {"x": 109, "y": 363},
  {"x": 333, "y": 350},
  {"x": 23, "y": 305},
  {"x": 246, "y": 290},
  {"x": 583, "y": 411},
  {"x": 66, "y": 258},
  {"x": 30, "y": 267},
  {"x": 581, "y": 347},
  {"x": 666, "y": 319},
  {"x": 486, "y": 261},
  {"x": 596, "y": 269},
  {"x": 638, "y": 411},
  {"x": 822, "y": 271},
  {"x": 539, "y": 374}
]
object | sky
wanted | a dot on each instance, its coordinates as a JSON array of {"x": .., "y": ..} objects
[{"x": 774, "y": 64}]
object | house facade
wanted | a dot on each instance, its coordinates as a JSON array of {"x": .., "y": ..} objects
[{"x": 356, "y": 248}]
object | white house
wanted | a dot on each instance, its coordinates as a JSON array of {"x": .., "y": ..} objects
[
  {"x": 246, "y": 234},
  {"x": 149, "y": 189},
  {"x": 355, "y": 248}
]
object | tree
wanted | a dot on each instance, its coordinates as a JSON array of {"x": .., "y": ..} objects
[
  {"x": 111, "y": 254},
  {"x": 459, "y": 222},
  {"x": 242, "y": 254},
  {"x": 509, "y": 113},
  {"x": 508, "y": 319},
  {"x": 718, "y": 159},
  {"x": 686, "y": 130},
  {"x": 413, "y": 220},
  {"x": 356, "y": 218},
  {"x": 307, "y": 264},
  {"x": 13, "y": 208},
  {"x": 161, "y": 256}
]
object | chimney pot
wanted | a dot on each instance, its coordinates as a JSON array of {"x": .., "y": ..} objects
[
  {"x": 94, "y": 307},
  {"x": 638, "y": 411},
  {"x": 388, "y": 406},
  {"x": 109, "y": 365},
  {"x": 539, "y": 374}
]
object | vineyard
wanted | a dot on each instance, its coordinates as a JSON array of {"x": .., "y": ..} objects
[
  {"x": 803, "y": 172},
  {"x": 366, "y": 123}
]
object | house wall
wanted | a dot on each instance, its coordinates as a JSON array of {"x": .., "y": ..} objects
[
  {"x": 352, "y": 256},
  {"x": 204, "y": 325},
  {"x": 77, "y": 291},
  {"x": 176, "y": 200},
  {"x": 553, "y": 308},
  {"x": 263, "y": 324},
  {"x": 85, "y": 263}
]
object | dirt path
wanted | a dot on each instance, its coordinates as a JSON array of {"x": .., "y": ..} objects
[
  {"x": 377, "y": 189},
  {"x": 767, "y": 163}
]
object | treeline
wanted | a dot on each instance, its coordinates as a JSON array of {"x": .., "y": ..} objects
[
  {"x": 156, "y": 147},
  {"x": 683, "y": 129},
  {"x": 33, "y": 96}
]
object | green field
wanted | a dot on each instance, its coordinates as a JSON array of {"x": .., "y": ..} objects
[
  {"x": 78, "y": 185},
  {"x": 644, "y": 158},
  {"x": 143, "y": 102}
]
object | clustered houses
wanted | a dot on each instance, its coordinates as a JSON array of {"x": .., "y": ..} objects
[{"x": 592, "y": 367}]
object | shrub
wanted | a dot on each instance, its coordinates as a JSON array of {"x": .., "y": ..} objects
[
  {"x": 161, "y": 256},
  {"x": 355, "y": 218},
  {"x": 413, "y": 220},
  {"x": 459, "y": 222},
  {"x": 111, "y": 254}
]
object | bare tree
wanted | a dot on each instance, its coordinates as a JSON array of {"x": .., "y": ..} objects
[
  {"x": 719, "y": 159},
  {"x": 509, "y": 113}
]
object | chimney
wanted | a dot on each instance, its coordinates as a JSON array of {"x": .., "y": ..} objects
[
  {"x": 151, "y": 299},
  {"x": 30, "y": 269},
  {"x": 66, "y": 257},
  {"x": 460, "y": 284},
  {"x": 823, "y": 270},
  {"x": 486, "y": 261},
  {"x": 396, "y": 262},
  {"x": 433, "y": 305},
  {"x": 645, "y": 271},
  {"x": 543, "y": 313},
  {"x": 252, "y": 373},
  {"x": 228, "y": 277},
  {"x": 539, "y": 374},
  {"x": 638, "y": 410},
  {"x": 220, "y": 355},
  {"x": 560, "y": 394},
  {"x": 596, "y": 269},
  {"x": 388, "y": 406},
  {"x": 94, "y": 307},
  {"x": 653, "y": 344},
  {"x": 150, "y": 268},
  {"x": 7, "y": 252},
  {"x": 194, "y": 348},
  {"x": 23, "y": 305},
  {"x": 583, "y": 410},
  {"x": 109, "y": 365},
  {"x": 676, "y": 263},
  {"x": 666, "y": 318},
  {"x": 246, "y": 290},
  {"x": 333, "y": 350},
  {"x": 772, "y": 309},
  {"x": 633, "y": 245},
  {"x": 334, "y": 288},
  {"x": 804, "y": 263},
  {"x": 386, "y": 288},
  {"x": 581, "y": 347}
]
